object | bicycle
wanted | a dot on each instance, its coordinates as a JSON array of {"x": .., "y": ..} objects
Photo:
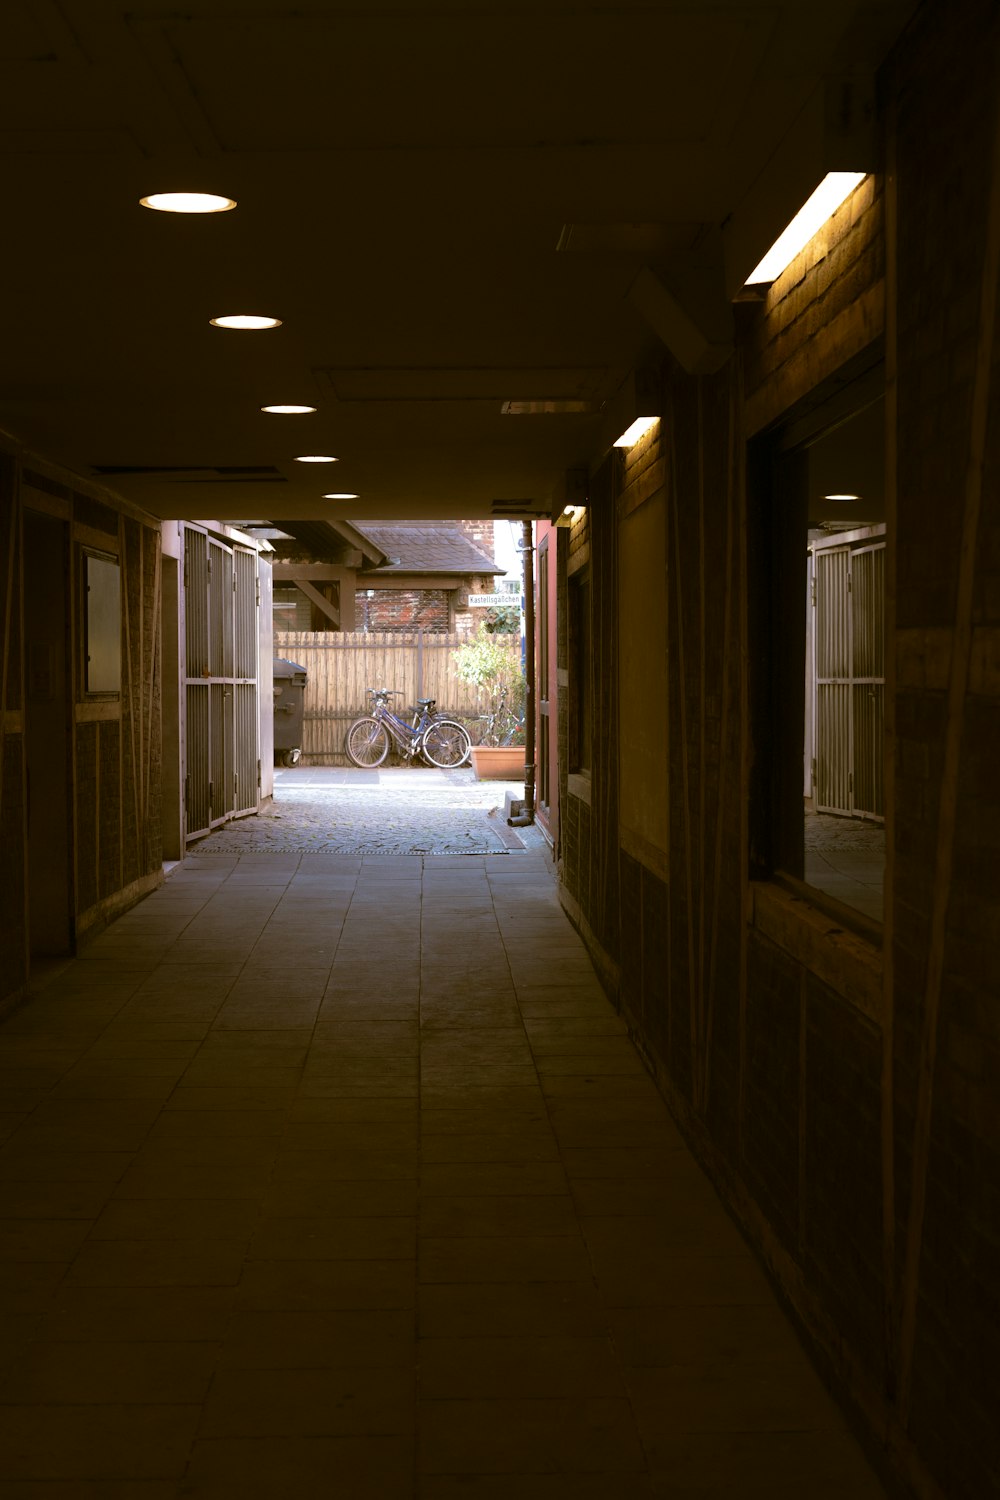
[
  {"x": 503, "y": 726},
  {"x": 442, "y": 742}
]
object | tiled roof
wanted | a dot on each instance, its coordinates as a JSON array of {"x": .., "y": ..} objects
[{"x": 428, "y": 549}]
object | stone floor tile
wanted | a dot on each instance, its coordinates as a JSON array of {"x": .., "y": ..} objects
[
  {"x": 485, "y": 1368},
  {"x": 262, "y": 1468},
  {"x": 181, "y": 1262},
  {"x": 376, "y": 1400},
  {"x": 342, "y": 1338},
  {"x": 444, "y": 1217},
  {"x": 235, "y": 1173},
  {"x": 40, "y": 1240},
  {"x": 502, "y": 1258},
  {"x": 335, "y": 1237},
  {"x": 535, "y": 1486},
  {"x": 248, "y": 1128},
  {"x": 96, "y": 1441},
  {"x": 138, "y": 1314},
  {"x": 492, "y": 1179},
  {"x": 167, "y": 1372},
  {"x": 320, "y": 1100},
  {"x": 352, "y": 1197},
  {"x": 513, "y": 1435},
  {"x": 324, "y": 1284},
  {"x": 508, "y": 1145},
  {"x": 85, "y": 1489},
  {"x": 127, "y": 1218}
]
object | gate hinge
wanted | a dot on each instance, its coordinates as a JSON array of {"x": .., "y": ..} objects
[{"x": 258, "y": 775}]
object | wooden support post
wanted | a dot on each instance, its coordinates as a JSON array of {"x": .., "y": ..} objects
[{"x": 961, "y": 647}]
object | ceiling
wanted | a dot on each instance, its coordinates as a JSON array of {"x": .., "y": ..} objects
[{"x": 446, "y": 204}]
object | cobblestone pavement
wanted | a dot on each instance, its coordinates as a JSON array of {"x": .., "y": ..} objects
[{"x": 399, "y": 810}]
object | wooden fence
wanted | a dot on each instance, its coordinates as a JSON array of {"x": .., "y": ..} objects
[{"x": 342, "y": 666}]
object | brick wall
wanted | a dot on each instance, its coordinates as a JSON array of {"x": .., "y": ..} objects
[{"x": 405, "y": 609}]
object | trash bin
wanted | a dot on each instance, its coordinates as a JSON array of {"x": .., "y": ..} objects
[{"x": 289, "y": 703}]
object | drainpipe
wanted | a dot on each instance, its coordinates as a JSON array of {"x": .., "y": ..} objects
[{"x": 528, "y": 815}]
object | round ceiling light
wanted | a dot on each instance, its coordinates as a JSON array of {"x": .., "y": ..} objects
[
  {"x": 315, "y": 458},
  {"x": 245, "y": 320},
  {"x": 188, "y": 203},
  {"x": 288, "y": 411},
  {"x": 343, "y": 496}
]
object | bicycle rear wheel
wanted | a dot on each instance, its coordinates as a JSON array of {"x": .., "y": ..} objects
[
  {"x": 445, "y": 744},
  {"x": 367, "y": 743}
]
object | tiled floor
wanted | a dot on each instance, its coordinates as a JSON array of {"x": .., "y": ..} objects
[{"x": 329, "y": 1176}]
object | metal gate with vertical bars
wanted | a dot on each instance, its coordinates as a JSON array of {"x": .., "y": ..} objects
[
  {"x": 220, "y": 687},
  {"x": 849, "y": 674}
]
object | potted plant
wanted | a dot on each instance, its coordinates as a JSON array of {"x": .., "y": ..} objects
[{"x": 492, "y": 664}]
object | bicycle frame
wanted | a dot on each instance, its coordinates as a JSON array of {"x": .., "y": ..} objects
[{"x": 406, "y": 735}]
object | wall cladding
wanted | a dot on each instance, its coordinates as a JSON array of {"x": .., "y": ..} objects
[
  {"x": 777, "y": 1066},
  {"x": 115, "y": 836}
]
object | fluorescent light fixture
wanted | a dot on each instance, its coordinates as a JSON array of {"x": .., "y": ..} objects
[
  {"x": 188, "y": 203},
  {"x": 632, "y": 434},
  {"x": 288, "y": 411},
  {"x": 343, "y": 495},
  {"x": 811, "y": 217},
  {"x": 315, "y": 458},
  {"x": 245, "y": 320},
  {"x": 841, "y": 497}
]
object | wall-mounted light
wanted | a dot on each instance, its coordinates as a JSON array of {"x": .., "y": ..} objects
[
  {"x": 288, "y": 411},
  {"x": 315, "y": 458},
  {"x": 844, "y": 498},
  {"x": 570, "y": 515},
  {"x": 635, "y": 431},
  {"x": 341, "y": 495},
  {"x": 820, "y": 206}
]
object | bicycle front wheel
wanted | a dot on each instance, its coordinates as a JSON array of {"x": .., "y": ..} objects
[
  {"x": 367, "y": 743},
  {"x": 445, "y": 744}
]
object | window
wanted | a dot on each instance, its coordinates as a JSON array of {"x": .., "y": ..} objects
[
  {"x": 102, "y": 676},
  {"x": 818, "y": 540},
  {"x": 580, "y": 673}
]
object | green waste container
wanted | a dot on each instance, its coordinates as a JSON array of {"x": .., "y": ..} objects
[{"x": 289, "y": 706}]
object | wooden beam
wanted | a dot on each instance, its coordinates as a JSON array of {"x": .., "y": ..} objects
[
  {"x": 411, "y": 581},
  {"x": 321, "y": 602},
  {"x": 291, "y": 572}
]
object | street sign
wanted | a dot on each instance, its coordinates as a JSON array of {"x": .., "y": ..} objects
[{"x": 494, "y": 601}]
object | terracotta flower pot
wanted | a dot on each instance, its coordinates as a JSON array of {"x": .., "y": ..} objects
[{"x": 498, "y": 762}]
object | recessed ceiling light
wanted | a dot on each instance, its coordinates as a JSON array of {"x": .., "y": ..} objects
[
  {"x": 287, "y": 411},
  {"x": 245, "y": 320},
  {"x": 188, "y": 203},
  {"x": 315, "y": 458},
  {"x": 841, "y": 497},
  {"x": 343, "y": 496}
]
